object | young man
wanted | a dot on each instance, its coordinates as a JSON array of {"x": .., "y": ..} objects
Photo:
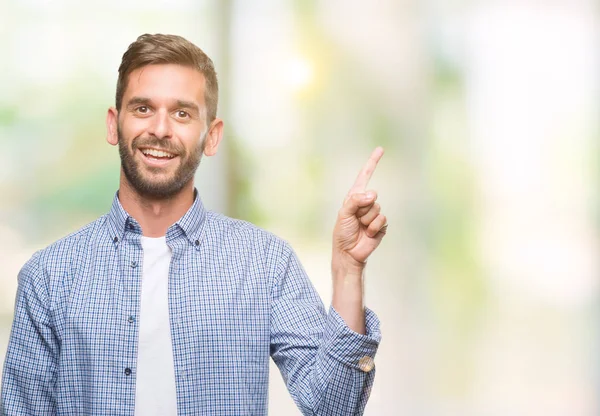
[{"x": 161, "y": 307}]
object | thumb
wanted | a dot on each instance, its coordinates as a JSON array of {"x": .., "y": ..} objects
[{"x": 354, "y": 202}]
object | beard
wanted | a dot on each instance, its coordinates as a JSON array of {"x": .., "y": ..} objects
[{"x": 156, "y": 182}]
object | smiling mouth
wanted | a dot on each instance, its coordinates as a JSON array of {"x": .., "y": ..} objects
[
  {"x": 156, "y": 158},
  {"x": 157, "y": 154}
]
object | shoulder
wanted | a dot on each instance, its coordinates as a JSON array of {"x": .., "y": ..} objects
[
  {"x": 230, "y": 231},
  {"x": 64, "y": 251}
]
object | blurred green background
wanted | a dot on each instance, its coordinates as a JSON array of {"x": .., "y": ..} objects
[{"x": 487, "y": 282}]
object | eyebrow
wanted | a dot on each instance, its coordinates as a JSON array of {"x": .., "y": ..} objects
[
  {"x": 138, "y": 100},
  {"x": 189, "y": 105}
]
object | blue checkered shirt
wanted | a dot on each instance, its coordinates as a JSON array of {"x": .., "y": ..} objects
[{"x": 237, "y": 296}]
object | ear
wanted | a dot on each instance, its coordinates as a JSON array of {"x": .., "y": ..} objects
[
  {"x": 112, "y": 119},
  {"x": 213, "y": 138}
]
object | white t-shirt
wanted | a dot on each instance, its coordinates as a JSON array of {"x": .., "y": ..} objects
[{"x": 155, "y": 382}]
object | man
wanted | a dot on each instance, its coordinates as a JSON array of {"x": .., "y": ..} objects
[{"x": 161, "y": 307}]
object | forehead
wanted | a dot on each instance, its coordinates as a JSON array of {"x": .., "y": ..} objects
[{"x": 166, "y": 82}]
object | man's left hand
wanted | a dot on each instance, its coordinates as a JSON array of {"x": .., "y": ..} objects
[{"x": 360, "y": 225}]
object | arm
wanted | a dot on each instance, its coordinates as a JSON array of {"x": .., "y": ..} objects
[
  {"x": 327, "y": 361},
  {"x": 31, "y": 359},
  {"x": 326, "y": 366}
]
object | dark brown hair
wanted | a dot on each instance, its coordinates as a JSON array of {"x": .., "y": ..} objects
[{"x": 169, "y": 49}]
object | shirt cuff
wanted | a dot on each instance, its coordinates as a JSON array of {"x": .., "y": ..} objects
[{"x": 349, "y": 347}]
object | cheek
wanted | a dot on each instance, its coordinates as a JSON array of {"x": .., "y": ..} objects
[
  {"x": 134, "y": 123},
  {"x": 133, "y": 127},
  {"x": 189, "y": 137}
]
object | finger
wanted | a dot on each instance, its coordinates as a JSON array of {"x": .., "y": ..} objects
[
  {"x": 372, "y": 195},
  {"x": 381, "y": 233},
  {"x": 370, "y": 215},
  {"x": 377, "y": 225},
  {"x": 362, "y": 180},
  {"x": 355, "y": 202}
]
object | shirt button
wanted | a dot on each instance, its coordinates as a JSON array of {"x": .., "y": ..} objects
[
  {"x": 128, "y": 371},
  {"x": 133, "y": 264},
  {"x": 197, "y": 242},
  {"x": 131, "y": 319},
  {"x": 366, "y": 364},
  {"x": 116, "y": 240},
  {"x": 131, "y": 226}
]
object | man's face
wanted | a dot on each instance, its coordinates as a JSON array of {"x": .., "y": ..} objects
[{"x": 162, "y": 129}]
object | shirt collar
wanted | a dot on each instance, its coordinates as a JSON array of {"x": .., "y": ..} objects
[{"x": 190, "y": 225}]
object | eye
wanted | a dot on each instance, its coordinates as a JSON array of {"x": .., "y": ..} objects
[
  {"x": 182, "y": 114},
  {"x": 142, "y": 109}
]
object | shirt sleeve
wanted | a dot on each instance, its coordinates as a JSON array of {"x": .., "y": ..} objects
[
  {"x": 327, "y": 367},
  {"x": 31, "y": 359}
]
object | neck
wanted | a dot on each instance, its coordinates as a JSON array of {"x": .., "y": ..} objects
[{"x": 155, "y": 216}]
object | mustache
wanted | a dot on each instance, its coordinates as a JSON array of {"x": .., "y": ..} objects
[{"x": 156, "y": 143}]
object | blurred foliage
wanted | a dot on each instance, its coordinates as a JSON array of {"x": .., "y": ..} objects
[
  {"x": 241, "y": 194},
  {"x": 75, "y": 175}
]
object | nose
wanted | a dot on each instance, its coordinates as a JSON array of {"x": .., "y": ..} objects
[{"x": 161, "y": 125}]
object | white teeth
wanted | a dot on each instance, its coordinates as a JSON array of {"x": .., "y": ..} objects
[{"x": 157, "y": 153}]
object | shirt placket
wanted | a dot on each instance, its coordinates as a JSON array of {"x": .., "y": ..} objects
[{"x": 131, "y": 261}]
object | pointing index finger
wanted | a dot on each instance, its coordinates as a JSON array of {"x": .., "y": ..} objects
[{"x": 362, "y": 180}]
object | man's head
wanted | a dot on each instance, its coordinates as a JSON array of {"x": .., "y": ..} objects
[{"x": 165, "y": 114}]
